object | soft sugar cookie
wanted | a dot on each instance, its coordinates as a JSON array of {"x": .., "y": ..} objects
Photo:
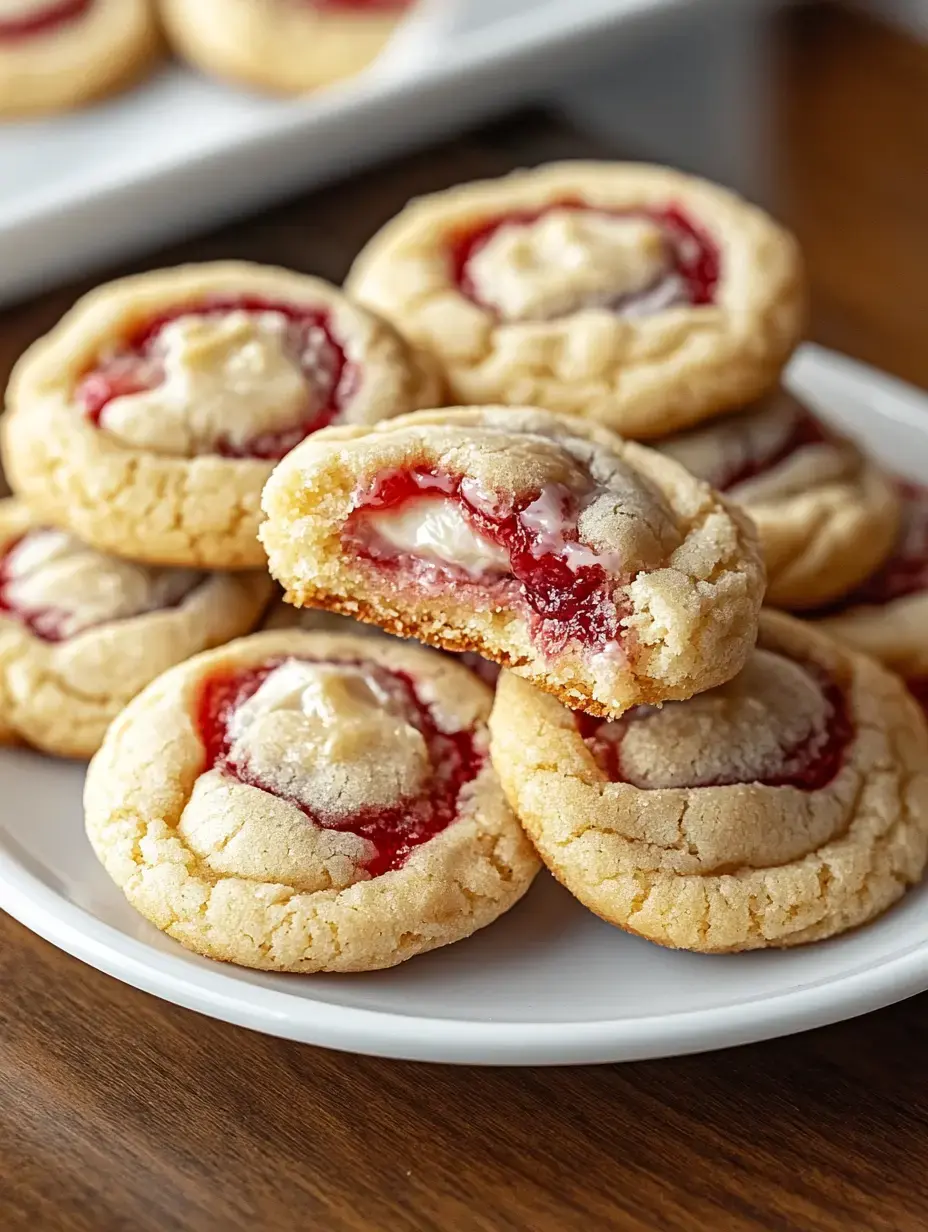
[
  {"x": 632, "y": 295},
  {"x": 58, "y": 54},
  {"x": 81, "y": 633},
  {"x": 786, "y": 806},
  {"x": 149, "y": 418},
  {"x": 591, "y": 566},
  {"x": 826, "y": 515},
  {"x": 285, "y": 46},
  {"x": 887, "y": 616},
  {"x": 309, "y": 802}
]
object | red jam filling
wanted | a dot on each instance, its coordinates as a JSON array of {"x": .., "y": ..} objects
[
  {"x": 396, "y": 831},
  {"x": 43, "y": 20},
  {"x": 906, "y": 571},
  {"x": 806, "y": 431},
  {"x": 47, "y": 623},
  {"x": 565, "y": 604},
  {"x": 807, "y": 766},
  {"x": 135, "y": 367},
  {"x": 694, "y": 257}
]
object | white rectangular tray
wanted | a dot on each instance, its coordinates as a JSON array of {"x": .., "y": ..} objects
[{"x": 181, "y": 153}]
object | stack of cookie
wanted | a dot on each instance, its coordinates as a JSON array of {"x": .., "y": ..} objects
[
  {"x": 694, "y": 770},
  {"x": 60, "y": 54}
]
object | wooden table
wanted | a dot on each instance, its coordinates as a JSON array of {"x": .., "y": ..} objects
[{"x": 119, "y": 1112}]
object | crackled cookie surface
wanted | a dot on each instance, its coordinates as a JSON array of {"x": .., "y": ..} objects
[
  {"x": 56, "y": 54},
  {"x": 827, "y": 517},
  {"x": 82, "y": 632},
  {"x": 631, "y": 295},
  {"x": 589, "y": 565},
  {"x": 317, "y": 803},
  {"x": 887, "y": 616},
  {"x": 149, "y": 419},
  {"x": 285, "y": 46},
  {"x": 783, "y": 807}
]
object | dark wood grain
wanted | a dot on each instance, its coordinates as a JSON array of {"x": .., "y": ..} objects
[{"x": 119, "y": 1112}]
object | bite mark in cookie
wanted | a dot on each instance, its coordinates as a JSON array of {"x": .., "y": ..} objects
[{"x": 591, "y": 566}]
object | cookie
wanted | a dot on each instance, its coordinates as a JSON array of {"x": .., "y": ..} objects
[
  {"x": 826, "y": 515},
  {"x": 309, "y": 802},
  {"x": 148, "y": 420},
  {"x": 58, "y": 54},
  {"x": 887, "y": 616},
  {"x": 284, "y": 46},
  {"x": 593, "y": 567},
  {"x": 285, "y": 616},
  {"x": 631, "y": 295},
  {"x": 786, "y": 806},
  {"x": 81, "y": 633}
]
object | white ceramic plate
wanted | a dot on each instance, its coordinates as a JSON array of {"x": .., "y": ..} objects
[{"x": 549, "y": 983}]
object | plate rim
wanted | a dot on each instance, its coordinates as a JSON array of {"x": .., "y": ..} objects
[{"x": 385, "y": 1033}]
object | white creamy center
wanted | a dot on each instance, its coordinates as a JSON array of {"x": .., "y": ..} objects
[
  {"x": 13, "y": 10},
  {"x": 227, "y": 377},
  {"x": 51, "y": 570},
  {"x": 435, "y": 529},
  {"x": 571, "y": 259},
  {"x": 331, "y": 737},
  {"x": 552, "y": 534}
]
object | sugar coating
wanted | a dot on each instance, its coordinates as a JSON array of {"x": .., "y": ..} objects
[{"x": 736, "y": 867}]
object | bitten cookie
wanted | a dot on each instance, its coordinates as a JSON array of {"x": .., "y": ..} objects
[
  {"x": 592, "y": 566},
  {"x": 81, "y": 633},
  {"x": 57, "y": 54},
  {"x": 786, "y": 806},
  {"x": 631, "y": 295},
  {"x": 309, "y": 802},
  {"x": 827, "y": 517},
  {"x": 148, "y": 420},
  {"x": 887, "y": 616},
  {"x": 285, "y": 46}
]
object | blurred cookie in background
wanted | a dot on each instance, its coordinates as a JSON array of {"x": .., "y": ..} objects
[
  {"x": 59, "y": 54},
  {"x": 284, "y": 46}
]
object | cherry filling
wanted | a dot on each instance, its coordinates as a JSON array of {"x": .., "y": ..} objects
[
  {"x": 806, "y": 430},
  {"x": 809, "y": 765},
  {"x": 693, "y": 255},
  {"x": 44, "y": 19},
  {"x": 46, "y": 623},
  {"x": 136, "y": 366},
  {"x": 565, "y": 603},
  {"x": 906, "y": 571},
  {"x": 395, "y": 831}
]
